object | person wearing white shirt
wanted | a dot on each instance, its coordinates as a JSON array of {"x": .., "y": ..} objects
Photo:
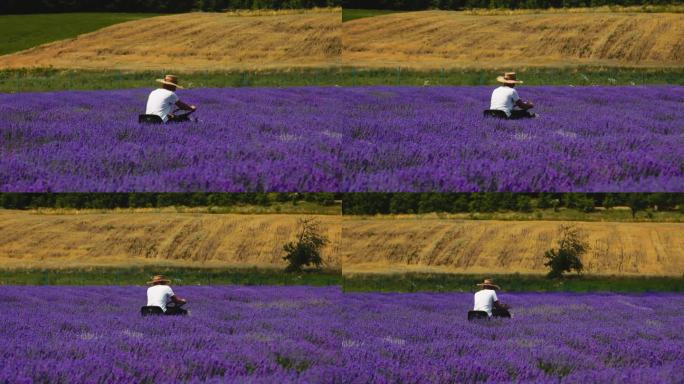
[
  {"x": 161, "y": 295},
  {"x": 487, "y": 301},
  {"x": 161, "y": 101},
  {"x": 505, "y": 98}
]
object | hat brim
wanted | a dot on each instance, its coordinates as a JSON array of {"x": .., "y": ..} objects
[
  {"x": 488, "y": 285},
  {"x": 169, "y": 83},
  {"x": 501, "y": 79}
]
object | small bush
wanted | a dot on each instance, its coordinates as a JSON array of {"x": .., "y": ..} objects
[
  {"x": 306, "y": 250},
  {"x": 567, "y": 256}
]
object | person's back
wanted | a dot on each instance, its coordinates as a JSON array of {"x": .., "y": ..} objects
[
  {"x": 504, "y": 99},
  {"x": 161, "y": 102},
  {"x": 484, "y": 300},
  {"x": 159, "y": 296}
]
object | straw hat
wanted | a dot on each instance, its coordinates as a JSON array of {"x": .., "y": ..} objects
[
  {"x": 170, "y": 80},
  {"x": 488, "y": 283},
  {"x": 508, "y": 78},
  {"x": 158, "y": 279}
]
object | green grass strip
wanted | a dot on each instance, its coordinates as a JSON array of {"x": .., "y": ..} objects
[
  {"x": 438, "y": 282},
  {"x": 37, "y": 80},
  {"x": 353, "y": 14},
  {"x": 179, "y": 276}
]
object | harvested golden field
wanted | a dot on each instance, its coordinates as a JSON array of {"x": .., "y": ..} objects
[
  {"x": 136, "y": 239},
  {"x": 198, "y": 41},
  {"x": 383, "y": 245},
  {"x": 449, "y": 39}
]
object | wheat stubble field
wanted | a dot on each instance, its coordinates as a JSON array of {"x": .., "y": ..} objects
[
  {"x": 198, "y": 41},
  {"x": 449, "y": 39},
  {"x": 30, "y": 240},
  {"x": 410, "y": 244}
]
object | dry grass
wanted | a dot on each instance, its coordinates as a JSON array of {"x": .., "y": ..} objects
[
  {"x": 29, "y": 240},
  {"x": 198, "y": 41},
  {"x": 386, "y": 245},
  {"x": 446, "y": 39},
  {"x": 649, "y": 8}
]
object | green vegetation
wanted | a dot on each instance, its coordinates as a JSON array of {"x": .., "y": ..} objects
[
  {"x": 427, "y": 282},
  {"x": 164, "y": 6},
  {"x": 213, "y": 202},
  {"x": 415, "y": 5},
  {"x": 179, "y": 276},
  {"x": 647, "y": 207},
  {"x": 306, "y": 250},
  {"x": 19, "y": 32},
  {"x": 522, "y": 206},
  {"x": 289, "y": 208},
  {"x": 584, "y": 75},
  {"x": 568, "y": 256},
  {"x": 352, "y": 14},
  {"x": 36, "y": 80},
  {"x": 616, "y": 214}
]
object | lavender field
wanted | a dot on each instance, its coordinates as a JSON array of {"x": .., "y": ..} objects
[
  {"x": 552, "y": 338},
  {"x": 246, "y": 140},
  {"x": 318, "y": 335},
  {"x": 313, "y": 139},
  {"x": 235, "y": 334},
  {"x": 603, "y": 139}
]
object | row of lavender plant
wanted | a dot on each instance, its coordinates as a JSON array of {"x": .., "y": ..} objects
[
  {"x": 607, "y": 139},
  {"x": 235, "y": 334},
  {"x": 552, "y": 338},
  {"x": 603, "y": 139},
  {"x": 306, "y": 334}
]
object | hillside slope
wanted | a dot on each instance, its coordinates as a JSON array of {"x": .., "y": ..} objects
[
  {"x": 394, "y": 245},
  {"x": 133, "y": 239},
  {"x": 197, "y": 41},
  {"x": 446, "y": 39}
]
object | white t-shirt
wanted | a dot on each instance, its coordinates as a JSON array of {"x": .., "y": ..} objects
[
  {"x": 504, "y": 99},
  {"x": 159, "y": 296},
  {"x": 161, "y": 102},
  {"x": 484, "y": 301}
]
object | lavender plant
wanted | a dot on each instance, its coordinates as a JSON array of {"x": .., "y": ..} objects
[
  {"x": 306, "y": 335},
  {"x": 606, "y": 139},
  {"x": 602, "y": 139}
]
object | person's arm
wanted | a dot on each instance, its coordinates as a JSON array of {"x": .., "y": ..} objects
[
  {"x": 178, "y": 301},
  {"x": 496, "y": 303},
  {"x": 522, "y": 104},
  {"x": 175, "y": 299},
  {"x": 186, "y": 107}
]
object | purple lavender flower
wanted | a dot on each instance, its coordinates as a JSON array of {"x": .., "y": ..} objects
[{"x": 606, "y": 139}]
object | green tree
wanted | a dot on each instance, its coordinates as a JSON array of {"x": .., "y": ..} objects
[
  {"x": 585, "y": 203},
  {"x": 523, "y": 203},
  {"x": 404, "y": 202},
  {"x": 662, "y": 201},
  {"x": 568, "y": 255},
  {"x": 306, "y": 250},
  {"x": 460, "y": 204},
  {"x": 636, "y": 202},
  {"x": 609, "y": 201},
  {"x": 544, "y": 201}
]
